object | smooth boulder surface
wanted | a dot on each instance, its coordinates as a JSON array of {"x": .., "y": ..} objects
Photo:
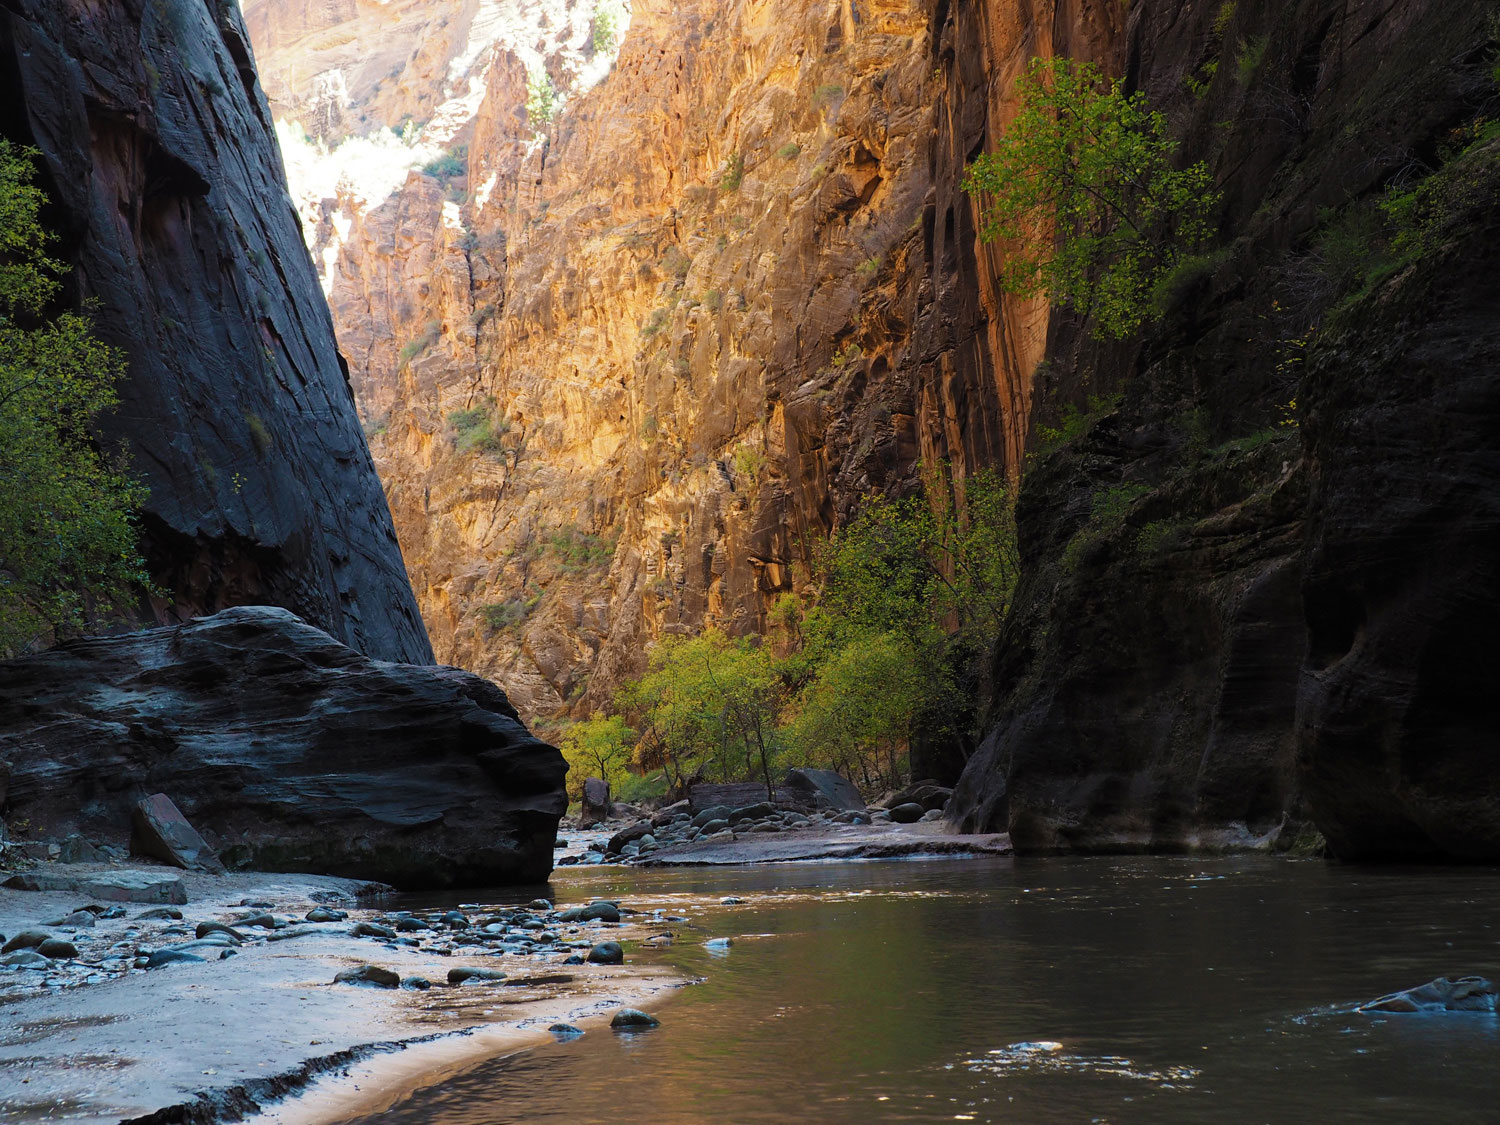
[
  {"x": 159, "y": 830},
  {"x": 825, "y": 788},
  {"x": 1463, "y": 994},
  {"x": 596, "y": 806},
  {"x": 287, "y": 749},
  {"x": 113, "y": 886}
]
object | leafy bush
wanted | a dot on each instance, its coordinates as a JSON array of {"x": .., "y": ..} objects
[
  {"x": 541, "y": 100},
  {"x": 1084, "y": 188},
  {"x": 478, "y": 429},
  {"x": 431, "y": 333},
  {"x": 501, "y": 616},
  {"x": 68, "y": 550},
  {"x": 579, "y": 551},
  {"x": 789, "y": 150},
  {"x": 733, "y": 173},
  {"x": 606, "y": 34},
  {"x": 451, "y": 165}
]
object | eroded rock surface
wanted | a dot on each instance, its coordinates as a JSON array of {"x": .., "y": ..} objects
[
  {"x": 158, "y": 152},
  {"x": 287, "y": 750}
]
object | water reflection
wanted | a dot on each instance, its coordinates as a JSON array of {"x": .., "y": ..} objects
[{"x": 1160, "y": 990}]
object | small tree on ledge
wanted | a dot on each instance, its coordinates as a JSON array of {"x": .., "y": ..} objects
[{"x": 1084, "y": 189}]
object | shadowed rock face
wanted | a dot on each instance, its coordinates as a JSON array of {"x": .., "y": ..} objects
[
  {"x": 287, "y": 750},
  {"x": 158, "y": 152},
  {"x": 1270, "y": 624}
]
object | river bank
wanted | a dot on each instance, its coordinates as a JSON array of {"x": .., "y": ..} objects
[{"x": 240, "y": 1019}]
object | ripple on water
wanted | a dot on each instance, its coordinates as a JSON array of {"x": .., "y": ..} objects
[{"x": 1045, "y": 1056}]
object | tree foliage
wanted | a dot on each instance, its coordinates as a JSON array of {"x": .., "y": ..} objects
[
  {"x": 910, "y": 593},
  {"x": 1084, "y": 189},
  {"x": 598, "y": 747},
  {"x": 67, "y": 536}
]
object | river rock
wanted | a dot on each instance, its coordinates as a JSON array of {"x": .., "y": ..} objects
[
  {"x": 163, "y": 957},
  {"x": 371, "y": 975},
  {"x": 824, "y": 788},
  {"x": 26, "y": 939},
  {"x": 76, "y": 849},
  {"x": 565, "y": 1031},
  {"x": 1463, "y": 994},
  {"x": 324, "y": 914},
  {"x": 628, "y": 835},
  {"x": 416, "y": 984},
  {"x": 712, "y": 827},
  {"x": 159, "y": 830},
  {"x": 607, "y": 953},
  {"x": 78, "y": 920},
  {"x": 415, "y": 776},
  {"x": 633, "y": 1019},
  {"x": 203, "y": 929},
  {"x": 58, "y": 949},
  {"x": 595, "y": 806},
  {"x": 160, "y": 913},
  {"x": 711, "y": 814},
  {"x": 909, "y": 813},
  {"x": 113, "y": 886},
  {"x": 751, "y": 812},
  {"x": 468, "y": 973},
  {"x": 25, "y": 959},
  {"x": 371, "y": 929}
]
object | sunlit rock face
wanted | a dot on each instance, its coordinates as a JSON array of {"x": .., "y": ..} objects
[
  {"x": 157, "y": 150},
  {"x": 728, "y": 290}
]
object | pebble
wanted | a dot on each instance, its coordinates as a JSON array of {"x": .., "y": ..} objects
[
  {"x": 565, "y": 1031},
  {"x": 372, "y": 975},
  {"x": 633, "y": 1019},
  {"x": 416, "y": 984},
  {"x": 731, "y": 901}
]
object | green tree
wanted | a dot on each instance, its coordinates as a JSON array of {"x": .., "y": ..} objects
[
  {"x": 710, "y": 706},
  {"x": 67, "y": 534},
  {"x": 541, "y": 100},
  {"x": 1084, "y": 188},
  {"x": 598, "y": 747}
]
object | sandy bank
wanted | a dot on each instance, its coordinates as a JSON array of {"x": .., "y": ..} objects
[{"x": 94, "y": 1039}]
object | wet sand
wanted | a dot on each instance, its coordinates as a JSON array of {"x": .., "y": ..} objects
[{"x": 94, "y": 1040}]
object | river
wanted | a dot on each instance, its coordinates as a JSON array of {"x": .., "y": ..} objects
[{"x": 1057, "y": 990}]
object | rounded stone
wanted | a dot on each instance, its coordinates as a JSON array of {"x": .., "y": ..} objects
[
  {"x": 633, "y": 1019},
  {"x": 607, "y": 953}
]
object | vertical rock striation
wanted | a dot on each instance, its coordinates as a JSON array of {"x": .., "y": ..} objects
[{"x": 158, "y": 151}]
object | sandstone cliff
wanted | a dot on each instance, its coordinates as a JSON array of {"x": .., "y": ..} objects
[
  {"x": 158, "y": 152},
  {"x": 681, "y": 330}
]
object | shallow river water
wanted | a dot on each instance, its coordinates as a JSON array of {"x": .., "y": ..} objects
[{"x": 1066, "y": 990}]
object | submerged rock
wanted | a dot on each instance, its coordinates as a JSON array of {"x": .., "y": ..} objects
[
  {"x": 163, "y": 957},
  {"x": 1463, "y": 994},
  {"x": 467, "y": 973},
  {"x": 295, "y": 752},
  {"x": 633, "y": 1019}
]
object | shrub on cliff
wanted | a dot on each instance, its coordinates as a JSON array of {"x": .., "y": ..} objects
[
  {"x": 67, "y": 532},
  {"x": 1084, "y": 190}
]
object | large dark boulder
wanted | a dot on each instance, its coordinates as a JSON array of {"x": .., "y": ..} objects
[
  {"x": 159, "y": 830},
  {"x": 288, "y": 750}
]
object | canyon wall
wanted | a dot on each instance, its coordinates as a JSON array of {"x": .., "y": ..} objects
[
  {"x": 157, "y": 150},
  {"x": 1258, "y": 542},
  {"x": 622, "y": 371}
]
